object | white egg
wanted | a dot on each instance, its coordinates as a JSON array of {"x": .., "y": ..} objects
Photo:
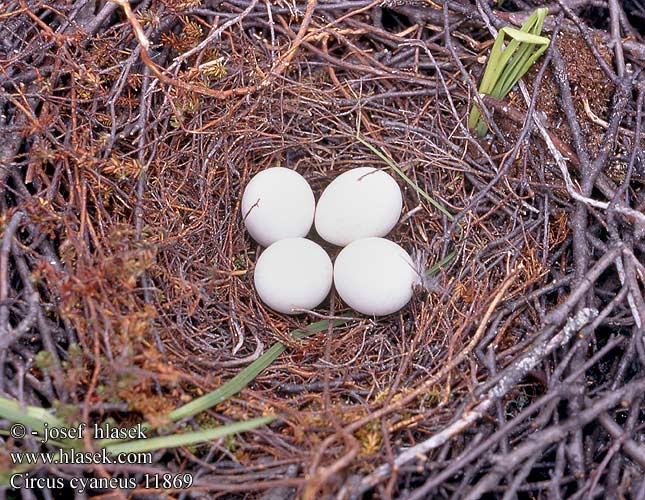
[
  {"x": 294, "y": 273},
  {"x": 277, "y": 203},
  {"x": 359, "y": 203},
  {"x": 374, "y": 276}
]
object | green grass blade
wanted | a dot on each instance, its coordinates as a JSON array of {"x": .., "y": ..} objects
[
  {"x": 394, "y": 167},
  {"x": 491, "y": 74},
  {"x": 230, "y": 388},
  {"x": 434, "y": 269},
  {"x": 473, "y": 117},
  {"x": 497, "y": 60},
  {"x": 237, "y": 383},
  {"x": 507, "y": 65},
  {"x": 519, "y": 69},
  {"x": 532, "y": 48},
  {"x": 524, "y": 37},
  {"x": 30, "y": 416},
  {"x": 515, "y": 70},
  {"x": 493, "y": 66},
  {"x": 246, "y": 376},
  {"x": 36, "y": 418},
  {"x": 481, "y": 128},
  {"x": 508, "y": 79},
  {"x": 188, "y": 438},
  {"x": 507, "y": 54}
]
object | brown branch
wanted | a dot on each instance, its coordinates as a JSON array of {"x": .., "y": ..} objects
[{"x": 158, "y": 71}]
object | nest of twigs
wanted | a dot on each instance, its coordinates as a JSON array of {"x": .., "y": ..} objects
[{"x": 128, "y": 135}]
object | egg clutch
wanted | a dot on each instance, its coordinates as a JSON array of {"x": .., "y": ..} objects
[{"x": 372, "y": 275}]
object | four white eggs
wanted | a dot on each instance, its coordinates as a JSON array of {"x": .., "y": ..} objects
[{"x": 372, "y": 275}]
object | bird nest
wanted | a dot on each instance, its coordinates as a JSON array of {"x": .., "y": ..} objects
[{"x": 126, "y": 291}]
